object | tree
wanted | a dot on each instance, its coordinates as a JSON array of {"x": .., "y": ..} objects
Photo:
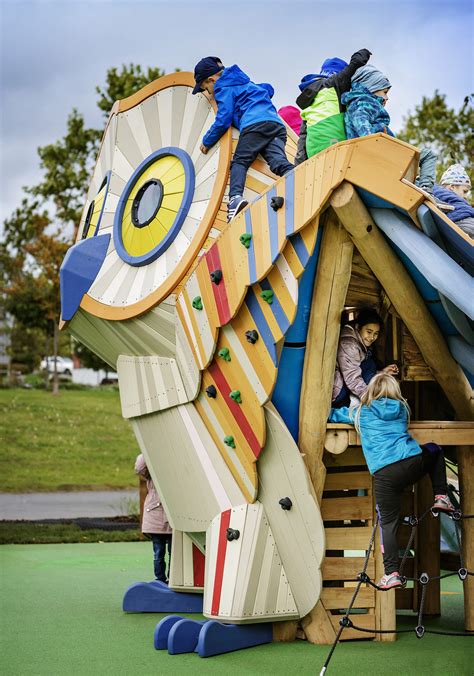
[{"x": 447, "y": 131}]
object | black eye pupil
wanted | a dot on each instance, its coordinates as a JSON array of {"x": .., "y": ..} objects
[
  {"x": 87, "y": 222},
  {"x": 147, "y": 202}
]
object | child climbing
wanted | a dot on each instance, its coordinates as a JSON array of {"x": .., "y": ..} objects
[
  {"x": 320, "y": 102},
  {"x": 395, "y": 459},
  {"x": 355, "y": 364},
  {"x": 155, "y": 522},
  {"x": 291, "y": 115},
  {"x": 455, "y": 189},
  {"x": 248, "y": 107},
  {"x": 366, "y": 114}
]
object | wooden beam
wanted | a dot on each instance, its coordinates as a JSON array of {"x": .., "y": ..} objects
[
  {"x": 404, "y": 296},
  {"x": 385, "y": 610},
  {"x": 446, "y": 433},
  {"x": 466, "y": 473},
  {"x": 427, "y": 549}
]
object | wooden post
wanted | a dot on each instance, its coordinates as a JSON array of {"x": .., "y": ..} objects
[
  {"x": 427, "y": 550},
  {"x": 466, "y": 473},
  {"x": 332, "y": 281},
  {"x": 404, "y": 297},
  {"x": 385, "y": 610}
]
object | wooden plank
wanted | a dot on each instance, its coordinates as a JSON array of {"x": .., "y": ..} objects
[
  {"x": 443, "y": 432},
  {"x": 346, "y": 567},
  {"x": 405, "y": 298},
  {"x": 352, "y": 457},
  {"x": 338, "y": 598},
  {"x": 348, "y": 538},
  {"x": 339, "y": 509},
  {"x": 365, "y": 621},
  {"x": 385, "y": 611},
  {"x": 466, "y": 473},
  {"x": 332, "y": 278},
  {"x": 347, "y": 481}
]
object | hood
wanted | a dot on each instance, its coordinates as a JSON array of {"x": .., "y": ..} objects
[
  {"x": 387, "y": 409},
  {"x": 371, "y": 77},
  {"x": 358, "y": 91},
  {"x": 306, "y": 80},
  {"x": 349, "y": 331},
  {"x": 232, "y": 76}
]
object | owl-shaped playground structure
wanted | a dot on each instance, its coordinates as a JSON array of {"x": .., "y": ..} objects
[{"x": 193, "y": 313}]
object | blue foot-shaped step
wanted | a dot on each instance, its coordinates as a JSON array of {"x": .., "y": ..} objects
[
  {"x": 177, "y": 634},
  {"x": 216, "y": 638},
  {"x": 155, "y": 597}
]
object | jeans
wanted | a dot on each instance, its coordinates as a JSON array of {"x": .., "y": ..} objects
[
  {"x": 160, "y": 540},
  {"x": 368, "y": 369},
  {"x": 426, "y": 177},
  {"x": 389, "y": 483},
  {"x": 265, "y": 138}
]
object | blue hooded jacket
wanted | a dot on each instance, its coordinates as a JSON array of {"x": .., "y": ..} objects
[
  {"x": 365, "y": 113},
  {"x": 383, "y": 429},
  {"x": 462, "y": 208},
  {"x": 240, "y": 103}
]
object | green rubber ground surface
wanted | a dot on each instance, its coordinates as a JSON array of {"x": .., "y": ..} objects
[{"x": 61, "y": 614}]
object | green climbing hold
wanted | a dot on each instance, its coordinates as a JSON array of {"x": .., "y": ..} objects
[
  {"x": 224, "y": 353},
  {"x": 229, "y": 441},
  {"x": 267, "y": 296},
  {"x": 197, "y": 303},
  {"x": 245, "y": 239},
  {"x": 235, "y": 395}
]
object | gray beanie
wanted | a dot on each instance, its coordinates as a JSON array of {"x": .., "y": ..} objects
[{"x": 370, "y": 77}]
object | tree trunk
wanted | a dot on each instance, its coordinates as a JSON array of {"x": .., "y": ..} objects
[{"x": 55, "y": 355}]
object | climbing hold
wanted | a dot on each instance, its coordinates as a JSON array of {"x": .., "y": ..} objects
[
  {"x": 229, "y": 441},
  {"x": 277, "y": 203},
  {"x": 252, "y": 336},
  {"x": 197, "y": 303},
  {"x": 211, "y": 391},
  {"x": 224, "y": 353},
  {"x": 424, "y": 578},
  {"x": 235, "y": 395},
  {"x": 419, "y": 631},
  {"x": 462, "y": 572},
  {"x": 233, "y": 534},
  {"x": 216, "y": 277},
  {"x": 245, "y": 239},
  {"x": 285, "y": 503},
  {"x": 267, "y": 296}
]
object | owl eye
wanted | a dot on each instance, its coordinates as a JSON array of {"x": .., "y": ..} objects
[
  {"x": 153, "y": 206},
  {"x": 95, "y": 210}
]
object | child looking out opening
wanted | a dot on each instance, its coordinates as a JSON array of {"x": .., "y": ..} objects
[{"x": 395, "y": 459}]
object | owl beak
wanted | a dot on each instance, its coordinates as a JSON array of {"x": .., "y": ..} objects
[{"x": 79, "y": 269}]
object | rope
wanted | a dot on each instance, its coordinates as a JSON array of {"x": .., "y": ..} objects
[{"x": 424, "y": 579}]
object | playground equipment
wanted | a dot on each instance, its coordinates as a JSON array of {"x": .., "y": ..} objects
[{"x": 224, "y": 338}]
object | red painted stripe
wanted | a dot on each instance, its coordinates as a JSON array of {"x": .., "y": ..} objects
[
  {"x": 220, "y": 292},
  {"x": 221, "y": 550},
  {"x": 198, "y": 567},
  {"x": 234, "y": 408}
]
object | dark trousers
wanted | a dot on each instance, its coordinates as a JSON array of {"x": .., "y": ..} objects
[
  {"x": 160, "y": 540},
  {"x": 389, "y": 484},
  {"x": 265, "y": 138},
  {"x": 368, "y": 368}
]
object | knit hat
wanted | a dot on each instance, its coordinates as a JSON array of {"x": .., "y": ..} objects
[
  {"x": 329, "y": 67},
  {"x": 292, "y": 117},
  {"x": 370, "y": 77},
  {"x": 455, "y": 175}
]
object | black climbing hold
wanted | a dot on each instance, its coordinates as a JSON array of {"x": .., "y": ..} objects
[
  {"x": 252, "y": 336},
  {"x": 369, "y": 228},
  {"x": 216, "y": 277},
  {"x": 456, "y": 515},
  {"x": 413, "y": 521},
  {"x": 424, "y": 578},
  {"x": 419, "y": 631},
  {"x": 462, "y": 572},
  {"x": 232, "y": 534},
  {"x": 277, "y": 203},
  {"x": 285, "y": 503},
  {"x": 363, "y": 577},
  {"x": 211, "y": 391},
  {"x": 345, "y": 622}
]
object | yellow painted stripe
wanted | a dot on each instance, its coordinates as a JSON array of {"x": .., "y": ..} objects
[
  {"x": 281, "y": 292},
  {"x": 293, "y": 261},
  {"x": 268, "y": 314},
  {"x": 310, "y": 234},
  {"x": 261, "y": 237},
  {"x": 205, "y": 288},
  {"x": 234, "y": 260},
  {"x": 281, "y": 217},
  {"x": 193, "y": 327},
  {"x": 172, "y": 202},
  {"x": 300, "y": 177}
]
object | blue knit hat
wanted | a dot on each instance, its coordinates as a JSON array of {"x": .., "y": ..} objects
[
  {"x": 329, "y": 67},
  {"x": 370, "y": 77}
]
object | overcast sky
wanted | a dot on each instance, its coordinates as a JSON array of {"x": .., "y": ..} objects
[{"x": 54, "y": 53}]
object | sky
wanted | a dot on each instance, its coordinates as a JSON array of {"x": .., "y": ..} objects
[{"x": 54, "y": 53}]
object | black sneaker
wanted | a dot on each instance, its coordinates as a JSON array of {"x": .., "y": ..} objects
[{"x": 235, "y": 206}]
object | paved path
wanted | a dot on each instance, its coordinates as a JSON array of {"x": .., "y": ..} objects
[{"x": 32, "y": 506}]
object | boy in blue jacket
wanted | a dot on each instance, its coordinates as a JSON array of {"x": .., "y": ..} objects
[
  {"x": 454, "y": 189},
  {"x": 248, "y": 107}
]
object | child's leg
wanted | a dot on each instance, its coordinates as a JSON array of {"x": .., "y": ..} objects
[
  {"x": 274, "y": 153},
  {"x": 159, "y": 544},
  {"x": 426, "y": 177},
  {"x": 250, "y": 144},
  {"x": 434, "y": 465}
]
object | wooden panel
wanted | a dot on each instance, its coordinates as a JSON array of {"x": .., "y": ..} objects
[
  {"x": 385, "y": 617},
  {"x": 181, "y": 565},
  {"x": 347, "y": 480},
  {"x": 364, "y": 621},
  {"x": 346, "y": 567},
  {"x": 443, "y": 432},
  {"x": 348, "y": 538},
  {"x": 335, "y": 598},
  {"x": 352, "y": 457},
  {"x": 338, "y": 509}
]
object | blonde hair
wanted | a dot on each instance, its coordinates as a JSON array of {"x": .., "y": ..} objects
[{"x": 381, "y": 385}]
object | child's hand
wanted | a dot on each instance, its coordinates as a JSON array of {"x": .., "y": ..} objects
[
  {"x": 391, "y": 369},
  {"x": 203, "y": 149}
]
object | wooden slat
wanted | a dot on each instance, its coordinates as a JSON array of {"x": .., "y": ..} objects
[
  {"x": 338, "y": 509},
  {"x": 366, "y": 621},
  {"x": 348, "y": 538},
  {"x": 352, "y": 457},
  {"x": 347, "y": 480},
  {"x": 443, "y": 432},
  {"x": 335, "y": 598},
  {"x": 346, "y": 567},
  {"x": 404, "y": 599}
]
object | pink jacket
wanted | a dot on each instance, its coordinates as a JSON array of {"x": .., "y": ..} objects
[
  {"x": 154, "y": 516},
  {"x": 350, "y": 354}
]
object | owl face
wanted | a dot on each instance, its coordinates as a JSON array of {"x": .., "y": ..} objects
[{"x": 152, "y": 201}]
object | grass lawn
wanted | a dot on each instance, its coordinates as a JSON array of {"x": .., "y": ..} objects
[
  {"x": 27, "y": 532},
  {"x": 75, "y": 441},
  {"x": 61, "y": 612}
]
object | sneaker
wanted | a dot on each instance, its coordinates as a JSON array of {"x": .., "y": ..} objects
[
  {"x": 443, "y": 504},
  {"x": 236, "y": 204},
  {"x": 391, "y": 581}
]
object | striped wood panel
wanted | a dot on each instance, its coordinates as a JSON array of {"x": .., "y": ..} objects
[{"x": 184, "y": 566}]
